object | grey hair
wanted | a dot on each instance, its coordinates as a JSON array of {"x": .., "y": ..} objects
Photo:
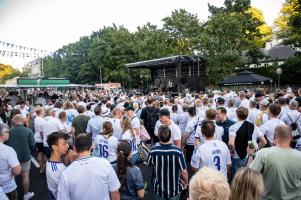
[
  {"x": 2, "y": 127},
  {"x": 293, "y": 103}
]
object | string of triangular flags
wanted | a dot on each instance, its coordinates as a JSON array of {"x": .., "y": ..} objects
[{"x": 10, "y": 49}]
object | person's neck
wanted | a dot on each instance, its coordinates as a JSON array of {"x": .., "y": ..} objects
[
  {"x": 209, "y": 139},
  {"x": 273, "y": 117},
  {"x": 283, "y": 145},
  {"x": 165, "y": 142},
  {"x": 83, "y": 154},
  {"x": 241, "y": 120},
  {"x": 56, "y": 157},
  {"x": 2, "y": 141}
]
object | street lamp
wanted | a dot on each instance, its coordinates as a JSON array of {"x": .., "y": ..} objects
[{"x": 279, "y": 72}]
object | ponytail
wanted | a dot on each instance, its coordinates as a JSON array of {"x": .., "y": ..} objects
[{"x": 124, "y": 150}]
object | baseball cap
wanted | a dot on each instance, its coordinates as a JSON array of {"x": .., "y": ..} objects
[
  {"x": 105, "y": 111},
  {"x": 264, "y": 102},
  {"x": 220, "y": 100},
  {"x": 164, "y": 112}
]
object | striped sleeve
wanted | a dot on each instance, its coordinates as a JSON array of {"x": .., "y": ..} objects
[{"x": 182, "y": 162}]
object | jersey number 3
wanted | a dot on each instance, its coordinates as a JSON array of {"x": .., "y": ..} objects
[
  {"x": 103, "y": 150},
  {"x": 217, "y": 162}
]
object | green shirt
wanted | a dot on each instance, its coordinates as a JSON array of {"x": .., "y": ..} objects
[
  {"x": 80, "y": 124},
  {"x": 281, "y": 171},
  {"x": 22, "y": 141}
]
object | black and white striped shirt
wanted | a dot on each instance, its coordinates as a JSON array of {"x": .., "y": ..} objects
[{"x": 168, "y": 162}]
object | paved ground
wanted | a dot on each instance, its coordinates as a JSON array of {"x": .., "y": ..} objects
[{"x": 38, "y": 183}]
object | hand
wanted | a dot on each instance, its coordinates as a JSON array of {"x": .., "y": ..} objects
[
  {"x": 72, "y": 155},
  {"x": 250, "y": 151}
]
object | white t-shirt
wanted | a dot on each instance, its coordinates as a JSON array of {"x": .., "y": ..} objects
[
  {"x": 127, "y": 135},
  {"x": 38, "y": 121},
  {"x": 213, "y": 153},
  {"x": 253, "y": 113},
  {"x": 57, "y": 111},
  {"x": 191, "y": 129},
  {"x": 53, "y": 174},
  {"x": 231, "y": 113},
  {"x": 94, "y": 126},
  {"x": 218, "y": 134},
  {"x": 175, "y": 130},
  {"x": 135, "y": 123},
  {"x": 105, "y": 147},
  {"x": 89, "y": 114},
  {"x": 88, "y": 178},
  {"x": 183, "y": 120},
  {"x": 117, "y": 128},
  {"x": 245, "y": 103},
  {"x": 50, "y": 125},
  {"x": 8, "y": 160},
  {"x": 2, "y": 195},
  {"x": 234, "y": 128},
  {"x": 268, "y": 128}
]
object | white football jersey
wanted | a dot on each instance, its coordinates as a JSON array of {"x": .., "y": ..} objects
[
  {"x": 105, "y": 147},
  {"x": 53, "y": 174},
  {"x": 213, "y": 153},
  {"x": 88, "y": 178},
  {"x": 127, "y": 135}
]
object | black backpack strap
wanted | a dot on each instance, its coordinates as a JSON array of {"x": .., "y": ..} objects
[
  {"x": 290, "y": 118},
  {"x": 297, "y": 118},
  {"x": 195, "y": 126}
]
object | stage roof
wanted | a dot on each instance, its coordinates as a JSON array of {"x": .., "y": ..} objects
[{"x": 164, "y": 62}]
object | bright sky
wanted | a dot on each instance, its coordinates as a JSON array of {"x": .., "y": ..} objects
[{"x": 50, "y": 24}]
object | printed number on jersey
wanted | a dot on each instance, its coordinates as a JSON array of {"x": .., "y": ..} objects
[{"x": 103, "y": 150}]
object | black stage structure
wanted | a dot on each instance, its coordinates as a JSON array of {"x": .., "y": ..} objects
[{"x": 174, "y": 73}]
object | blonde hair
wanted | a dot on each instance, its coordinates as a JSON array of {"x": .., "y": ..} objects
[
  {"x": 209, "y": 184},
  {"x": 247, "y": 184},
  {"x": 68, "y": 105},
  {"x": 126, "y": 125}
]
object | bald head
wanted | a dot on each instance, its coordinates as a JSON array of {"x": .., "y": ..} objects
[
  {"x": 18, "y": 119},
  {"x": 283, "y": 133}
]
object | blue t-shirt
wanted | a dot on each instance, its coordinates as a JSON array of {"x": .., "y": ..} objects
[{"x": 134, "y": 183}]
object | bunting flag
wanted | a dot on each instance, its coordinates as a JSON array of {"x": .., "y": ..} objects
[{"x": 11, "y": 49}]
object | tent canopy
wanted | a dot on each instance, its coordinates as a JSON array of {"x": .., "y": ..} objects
[{"x": 246, "y": 78}]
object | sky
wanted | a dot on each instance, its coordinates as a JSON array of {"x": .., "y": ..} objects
[{"x": 50, "y": 24}]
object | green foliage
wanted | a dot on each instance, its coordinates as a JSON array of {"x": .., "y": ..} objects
[
  {"x": 228, "y": 31},
  {"x": 183, "y": 29},
  {"x": 289, "y": 23}
]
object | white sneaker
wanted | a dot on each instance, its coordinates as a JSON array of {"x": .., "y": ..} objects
[{"x": 28, "y": 195}]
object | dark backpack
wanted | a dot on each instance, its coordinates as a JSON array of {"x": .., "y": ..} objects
[
  {"x": 151, "y": 118},
  {"x": 294, "y": 125}
]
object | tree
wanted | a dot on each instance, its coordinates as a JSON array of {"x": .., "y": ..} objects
[
  {"x": 7, "y": 72},
  {"x": 289, "y": 23},
  {"x": 229, "y": 30},
  {"x": 183, "y": 29},
  {"x": 264, "y": 30}
]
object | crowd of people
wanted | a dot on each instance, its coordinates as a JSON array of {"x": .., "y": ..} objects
[{"x": 91, "y": 144}]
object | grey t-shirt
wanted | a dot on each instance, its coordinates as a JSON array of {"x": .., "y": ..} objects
[
  {"x": 134, "y": 183},
  {"x": 281, "y": 170}
]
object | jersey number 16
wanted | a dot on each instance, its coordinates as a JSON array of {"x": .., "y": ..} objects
[{"x": 103, "y": 150}]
